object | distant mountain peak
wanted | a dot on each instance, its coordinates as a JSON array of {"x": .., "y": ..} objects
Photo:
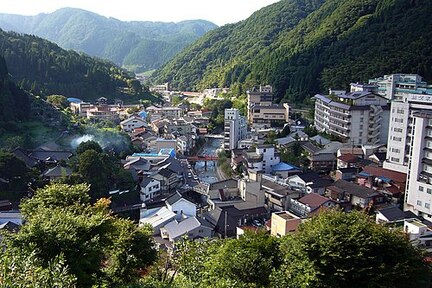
[{"x": 143, "y": 45}]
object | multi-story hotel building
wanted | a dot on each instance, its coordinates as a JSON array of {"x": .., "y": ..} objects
[
  {"x": 262, "y": 113},
  {"x": 418, "y": 196},
  {"x": 357, "y": 117},
  {"x": 235, "y": 128},
  {"x": 409, "y": 94}
]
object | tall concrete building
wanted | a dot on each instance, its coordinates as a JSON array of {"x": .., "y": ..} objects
[
  {"x": 409, "y": 94},
  {"x": 262, "y": 113},
  {"x": 235, "y": 128},
  {"x": 358, "y": 118},
  {"x": 396, "y": 86},
  {"x": 418, "y": 196}
]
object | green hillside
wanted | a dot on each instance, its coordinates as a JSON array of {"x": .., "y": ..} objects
[
  {"x": 130, "y": 44},
  {"x": 11, "y": 98},
  {"x": 43, "y": 68},
  {"x": 303, "y": 46}
]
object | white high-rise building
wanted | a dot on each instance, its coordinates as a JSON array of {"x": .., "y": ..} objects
[
  {"x": 409, "y": 94},
  {"x": 418, "y": 196},
  {"x": 235, "y": 128}
]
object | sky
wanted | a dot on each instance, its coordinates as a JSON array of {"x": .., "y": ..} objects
[{"x": 219, "y": 12}]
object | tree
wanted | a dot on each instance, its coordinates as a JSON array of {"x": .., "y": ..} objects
[
  {"x": 18, "y": 269},
  {"x": 337, "y": 249},
  {"x": 58, "y": 101},
  {"x": 87, "y": 145},
  {"x": 92, "y": 167},
  {"x": 15, "y": 174},
  {"x": 244, "y": 262},
  {"x": 96, "y": 246}
]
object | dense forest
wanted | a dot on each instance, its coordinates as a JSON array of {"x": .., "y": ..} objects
[
  {"x": 137, "y": 45},
  {"x": 44, "y": 68},
  {"x": 11, "y": 97},
  {"x": 302, "y": 47}
]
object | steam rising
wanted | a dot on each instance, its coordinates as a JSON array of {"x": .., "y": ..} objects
[
  {"x": 75, "y": 142},
  {"x": 107, "y": 139}
]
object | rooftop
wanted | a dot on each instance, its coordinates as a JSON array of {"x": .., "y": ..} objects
[{"x": 313, "y": 200}]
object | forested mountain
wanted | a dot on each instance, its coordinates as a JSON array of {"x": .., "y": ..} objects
[
  {"x": 305, "y": 46},
  {"x": 139, "y": 45},
  {"x": 14, "y": 102},
  {"x": 44, "y": 68}
]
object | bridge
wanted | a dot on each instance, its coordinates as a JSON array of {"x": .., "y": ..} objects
[
  {"x": 204, "y": 158},
  {"x": 201, "y": 158},
  {"x": 216, "y": 136}
]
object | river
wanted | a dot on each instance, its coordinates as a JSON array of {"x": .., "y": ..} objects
[{"x": 210, "y": 148}]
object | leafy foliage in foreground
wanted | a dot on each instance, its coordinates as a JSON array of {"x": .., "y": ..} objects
[
  {"x": 334, "y": 249},
  {"x": 97, "y": 247}
]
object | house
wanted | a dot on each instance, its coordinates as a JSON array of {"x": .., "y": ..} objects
[
  {"x": 392, "y": 214},
  {"x": 225, "y": 219},
  {"x": 132, "y": 123},
  {"x": 347, "y": 160},
  {"x": 284, "y": 170},
  {"x": 167, "y": 178},
  {"x": 418, "y": 233},
  {"x": 347, "y": 174},
  {"x": 301, "y": 182},
  {"x": 283, "y": 223},
  {"x": 11, "y": 216},
  {"x": 347, "y": 192},
  {"x": 192, "y": 227},
  {"x": 277, "y": 196},
  {"x": 224, "y": 189},
  {"x": 149, "y": 188},
  {"x": 262, "y": 158},
  {"x": 57, "y": 172},
  {"x": 173, "y": 207},
  {"x": 310, "y": 204},
  {"x": 157, "y": 219},
  {"x": 299, "y": 135},
  {"x": 23, "y": 156},
  {"x": 378, "y": 158},
  {"x": 50, "y": 157},
  {"x": 319, "y": 140},
  {"x": 180, "y": 205},
  {"x": 378, "y": 175}
]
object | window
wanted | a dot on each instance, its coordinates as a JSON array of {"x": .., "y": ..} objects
[
  {"x": 398, "y": 120},
  {"x": 394, "y": 159},
  {"x": 395, "y": 150},
  {"x": 398, "y": 139},
  {"x": 427, "y": 205},
  {"x": 421, "y": 188},
  {"x": 400, "y": 130},
  {"x": 429, "y": 191},
  {"x": 419, "y": 203},
  {"x": 400, "y": 111}
]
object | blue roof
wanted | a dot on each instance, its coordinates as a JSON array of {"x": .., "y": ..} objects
[
  {"x": 167, "y": 151},
  {"x": 364, "y": 174},
  {"x": 282, "y": 166},
  {"x": 143, "y": 114},
  {"x": 74, "y": 100},
  {"x": 385, "y": 179},
  {"x": 164, "y": 151}
]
